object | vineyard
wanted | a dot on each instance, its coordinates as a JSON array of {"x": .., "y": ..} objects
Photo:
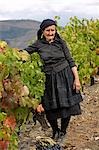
[
  {"x": 22, "y": 81},
  {"x": 82, "y": 37},
  {"x": 21, "y": 88}
]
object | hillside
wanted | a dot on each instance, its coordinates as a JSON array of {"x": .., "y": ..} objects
[{"x": 18, "y": 33}]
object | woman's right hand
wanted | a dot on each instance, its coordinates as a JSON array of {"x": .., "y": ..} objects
[
  {"x": 76, "y": 85},
  {"x": 40, "y": 108}
]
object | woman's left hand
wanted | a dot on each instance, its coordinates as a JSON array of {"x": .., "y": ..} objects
[{"x": 76, "y": 85}]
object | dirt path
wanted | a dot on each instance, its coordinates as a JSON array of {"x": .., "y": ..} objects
[{"x": 83, "y": 131}]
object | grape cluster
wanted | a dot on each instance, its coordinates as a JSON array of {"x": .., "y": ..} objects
[{"x": 49, "y": 147}]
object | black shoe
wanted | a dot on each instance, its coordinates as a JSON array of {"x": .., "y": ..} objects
[
  {"x": 62, "y": 137},
  {"x": 56, "y": 134},
  {"x": 62, "y": 134}
]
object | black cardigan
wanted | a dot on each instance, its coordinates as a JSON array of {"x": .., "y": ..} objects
[{"x": 55, "y": 55}]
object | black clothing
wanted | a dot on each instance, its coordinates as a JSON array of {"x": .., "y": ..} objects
[
  {"x": 51, "y": 53},
  {"x": 59, "y": 91},
  {"x": 46, "y": 23},
  {"x": 63, "y": 112},
  {"x": 54, "y": 125},
  {"x": 57, "y": 132},
  {"x": 59, "y": 97},
  {"x": 64, "y": 124}
]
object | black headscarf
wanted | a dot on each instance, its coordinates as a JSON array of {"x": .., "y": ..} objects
[{"x": 45, "y": 23}]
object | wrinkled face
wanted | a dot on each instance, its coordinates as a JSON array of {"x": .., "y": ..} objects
[{"x": 49, "y": 33}]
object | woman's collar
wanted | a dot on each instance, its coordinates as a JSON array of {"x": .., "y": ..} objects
[{"x": 45, "y": 41}]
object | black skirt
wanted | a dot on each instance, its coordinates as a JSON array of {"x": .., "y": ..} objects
[{"x": 60, "y": 100}]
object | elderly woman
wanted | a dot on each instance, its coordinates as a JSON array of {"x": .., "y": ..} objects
[{"x": 62, "y": 95}]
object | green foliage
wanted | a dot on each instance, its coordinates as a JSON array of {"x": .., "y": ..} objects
[
  {"x": 82, "y": 38},
  {"x": 27, "y": 70},
  {"x": 22, "y": 85},
  {"x": 32, "y": 76}
]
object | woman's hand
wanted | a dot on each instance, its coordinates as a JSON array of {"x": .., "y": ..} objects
[
  {"x": 40, "y": 108},
  {"x": 76, "y": 85}
]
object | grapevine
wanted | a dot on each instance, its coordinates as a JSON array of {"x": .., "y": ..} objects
[
  {"x": 82, "y": 38},
  {"x": 21, "y": 88}
]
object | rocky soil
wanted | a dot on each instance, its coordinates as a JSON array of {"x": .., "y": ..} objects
[{"x": 83, "y": 131}]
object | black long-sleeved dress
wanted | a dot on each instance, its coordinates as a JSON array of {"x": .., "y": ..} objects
[{"x": 59, "y": 100}]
